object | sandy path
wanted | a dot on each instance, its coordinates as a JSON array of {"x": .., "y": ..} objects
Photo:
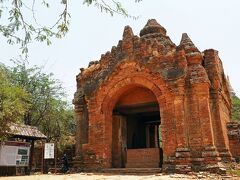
[
  {"x": 94, "y": 177},
  {"x": 91, "y": 176}
]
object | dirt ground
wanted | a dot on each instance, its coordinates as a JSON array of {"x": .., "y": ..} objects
[{"x": 91, "y": 176}]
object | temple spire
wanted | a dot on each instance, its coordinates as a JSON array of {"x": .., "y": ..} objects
[
  {"x": 187, "y": 44},
  {"x": 193, "y": 55},
  {"x": 151, "y": 27},
  {"x": 185, "y": 39},
  {"x": 127, "y": 39},
  {"x": 127, "y": 33}
]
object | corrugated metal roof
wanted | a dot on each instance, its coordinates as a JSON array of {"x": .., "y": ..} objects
[{"x": 21, "y": 130}]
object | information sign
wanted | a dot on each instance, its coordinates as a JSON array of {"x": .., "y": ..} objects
[
  {"x": 11, "y": 155},
  {"x": 49, "y": 151}
]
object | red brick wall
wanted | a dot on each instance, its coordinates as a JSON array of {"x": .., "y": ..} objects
[
  {"x": 137, "y": 95},
  {"x": 143, "y": 158},
  {"x": 234, "y": 139},
  {"x": 235, "y": 148}
]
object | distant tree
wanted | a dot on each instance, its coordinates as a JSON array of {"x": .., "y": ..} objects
[
  {"x": 40, "y": 86},
  {"x": 14, "y": 102},
  {"x": 235, "y": 108},
  {"x": 48, "y": 109},
  {"x": 59, "y": 122},
  {"x": 22, "y": 26}
]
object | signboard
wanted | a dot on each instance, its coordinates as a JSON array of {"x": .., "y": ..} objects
[
  {"x": 49, "y": 151},
  {"x": 22, "y": 157},
  {"x": 12, "y": 155}
]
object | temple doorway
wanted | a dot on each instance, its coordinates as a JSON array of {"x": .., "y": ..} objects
[{"x": 136, "y": 132}]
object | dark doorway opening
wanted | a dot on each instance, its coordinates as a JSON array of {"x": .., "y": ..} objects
[
  {"x": 143, "y": 131},
  {"x": 138, "y": 132}
]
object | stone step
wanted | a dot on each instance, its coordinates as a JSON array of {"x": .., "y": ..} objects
[
  {"x": 133, "y": 170},
  {"x": 142, "y": 165}
]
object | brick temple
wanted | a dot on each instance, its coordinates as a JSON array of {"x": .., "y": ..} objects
[{"x": 149, "y": 103}]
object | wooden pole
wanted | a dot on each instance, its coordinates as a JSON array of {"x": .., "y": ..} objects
[
  {"x": 31, "y": 156},
  {"x": 42, "y": 157},
  {"x": 55, "y": 156}
]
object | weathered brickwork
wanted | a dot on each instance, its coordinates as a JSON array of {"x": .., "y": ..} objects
[
  {"x": 189, "y": 87},
  {"x": 234, "y": 139},
  {"x": 143, "y": 158}
]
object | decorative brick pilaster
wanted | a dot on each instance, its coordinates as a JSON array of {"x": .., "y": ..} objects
[{"x": 78, "y": 101}]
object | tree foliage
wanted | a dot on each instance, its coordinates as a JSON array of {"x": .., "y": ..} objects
[
  {"x": 20, "y": 28},
  {"x": 48, "y": 111},
  {"x": 112, "y": 7},
  {"x": 235, "y": 108},
  {"x": 14, "y": 101},
  {"x": 47, "y": 106},
  {"x": 41, "y": 87}
]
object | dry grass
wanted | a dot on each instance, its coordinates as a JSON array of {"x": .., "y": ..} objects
[{"x": 234, "y": 172}]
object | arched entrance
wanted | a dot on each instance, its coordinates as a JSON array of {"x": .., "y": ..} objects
[{"x": 136, "y": 133}]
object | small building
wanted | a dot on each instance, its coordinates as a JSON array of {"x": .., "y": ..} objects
[
  {"x": 150, "y": 103},
  {"x": 16, "y": 154}
]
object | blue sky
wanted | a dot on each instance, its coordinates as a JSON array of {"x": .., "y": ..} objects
[{"x": 210, "y": 24}]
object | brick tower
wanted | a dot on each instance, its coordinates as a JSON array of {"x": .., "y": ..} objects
[{"x": 151, "y": 103}]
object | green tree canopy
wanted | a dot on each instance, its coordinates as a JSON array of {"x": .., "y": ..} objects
[
  {"x": 49, "y": 109},
  {"x": 235, "y": 108},
  {"x": 14, "y": 101},
  {"x": 35, "y": 98}
]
